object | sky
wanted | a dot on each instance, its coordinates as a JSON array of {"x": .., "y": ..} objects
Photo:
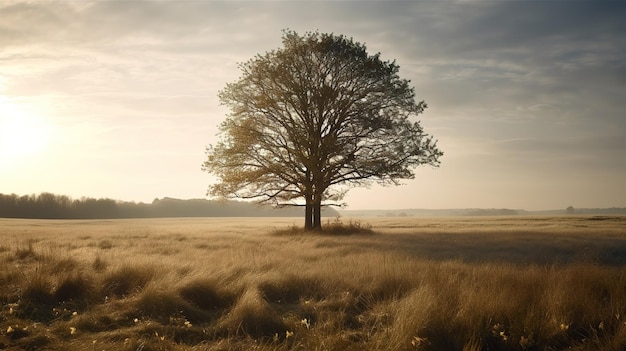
[{"x": 118, "y": 99}]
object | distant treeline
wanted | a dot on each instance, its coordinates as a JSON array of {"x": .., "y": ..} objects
[
  {"x": 590, "y": 211},
  {"x": 51, "y": 206}
]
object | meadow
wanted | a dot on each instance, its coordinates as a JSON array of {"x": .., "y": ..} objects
[{"x": 467, "y": 284}]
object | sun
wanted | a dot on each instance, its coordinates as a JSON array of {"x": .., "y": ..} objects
[{"x": 21, "y": 135}]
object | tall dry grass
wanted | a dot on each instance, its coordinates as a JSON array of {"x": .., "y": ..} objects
[{"x": 537, "y": 283}]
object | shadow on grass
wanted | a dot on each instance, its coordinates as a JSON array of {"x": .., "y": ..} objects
[
  {"x": 516, "y": 248},
  {"x": 519, "y": 247}
]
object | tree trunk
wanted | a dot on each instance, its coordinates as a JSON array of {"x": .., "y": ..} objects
[
  {"x": 308, "y": 202},
  {"x": 308, "y": 212},
  {"x": 317, "y": 213}
]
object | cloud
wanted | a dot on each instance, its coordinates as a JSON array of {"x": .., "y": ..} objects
[{"x": 521, "y": 50}]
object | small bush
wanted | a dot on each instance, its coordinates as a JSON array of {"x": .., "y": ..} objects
[
  {"x": 334, "y": 227},
  {"x": 337, "y": 227}
]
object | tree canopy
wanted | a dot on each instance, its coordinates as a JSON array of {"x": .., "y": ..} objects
[{"x": 314, "y": 118}]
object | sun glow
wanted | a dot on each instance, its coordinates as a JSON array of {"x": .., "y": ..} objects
[{"x": 22, "y": 135}]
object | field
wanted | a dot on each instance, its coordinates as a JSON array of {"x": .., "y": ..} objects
[{"x": 496, "y": 283}]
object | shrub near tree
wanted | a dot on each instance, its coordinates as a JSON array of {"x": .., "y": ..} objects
[{"x": 312, "y": 119}]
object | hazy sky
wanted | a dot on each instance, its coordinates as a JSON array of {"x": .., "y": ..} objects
[{"x": 118, "y": 99}]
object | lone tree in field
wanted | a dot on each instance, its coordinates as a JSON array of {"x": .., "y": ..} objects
[{"x": 311, "y": 120}]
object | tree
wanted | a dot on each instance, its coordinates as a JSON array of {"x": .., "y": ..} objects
[{"x": 312, "y": 119}]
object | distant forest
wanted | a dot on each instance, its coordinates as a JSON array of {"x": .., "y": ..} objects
[{"x": 51, "y": 206}]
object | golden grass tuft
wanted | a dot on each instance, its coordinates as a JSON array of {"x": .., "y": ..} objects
[
  {"x": 291, "y": 288},
  {"x": 162, "y": 305},
  {"x": 206, "y": 294},
  {"x": 127, "y": 279},
  {"x": 64, "y": 265},
  {"x": 252, "y": 315},
  {"x": 36, "y": 299},
  {"x": 28, "y": 252},
  {"x": 76, "y": 289},
  {"x": 99, "y": 264}
]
